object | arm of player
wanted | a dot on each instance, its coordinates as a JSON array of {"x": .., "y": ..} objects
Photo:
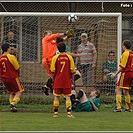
[
  {"x": 94, "y": 106},
  {"x": 117, "y": 72},
  {"x": 15, "y": 63},
  {"x": 76, "y": 61},
  {"x": 74, "y": 54},
  {"x": 94, "y": 60},
  {"x": 106, "y": 71},
  {"x": 54, "y": 36},
  {"x": 18, "y": 71}
]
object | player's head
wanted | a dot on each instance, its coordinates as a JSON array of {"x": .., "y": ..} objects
[
  {"x": 95, "y": 93},
  {"x": 10, "y": 35},
  {"x": 5, "y": 47},
  {"x": 84, "y": 37},
  {"x": 61, "y": 47},
  {"x": 59, "y": 39},
  {"x": 111, "y": 55},
  {"x": 47, "y": 33},
  {"x": 126, "y": 44}
]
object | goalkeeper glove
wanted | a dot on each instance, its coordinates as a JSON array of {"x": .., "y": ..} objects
[{"x": 70, "y": 33}]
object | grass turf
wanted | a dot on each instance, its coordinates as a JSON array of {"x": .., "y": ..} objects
[{"x": 104, "y": 120}]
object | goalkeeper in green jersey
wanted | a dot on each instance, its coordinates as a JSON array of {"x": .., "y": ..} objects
[{"x": 80, "y": 102}]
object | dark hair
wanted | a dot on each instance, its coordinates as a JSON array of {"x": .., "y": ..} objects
[
  {"x": 5, "y": 47},
  {"x": 111, "y": 52},
  {"x": 61, "y": 47},
  {"x": 127, "y": 44},
  {"x": 98, "y": 93},
  {"x": 59, "y": 39}
]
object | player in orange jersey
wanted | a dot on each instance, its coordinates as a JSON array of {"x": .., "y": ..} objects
[
  {"x": 49, "y": 47},
  {"x": 63, "y": 69},
  {"x": 126, "y": 77},
  {"x": 9, "y": 73}
]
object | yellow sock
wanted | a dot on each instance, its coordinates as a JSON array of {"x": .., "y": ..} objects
[
  {"x": 68, "y": 106},
  {"x": 15, "y": 100},
  {"x": 10, "y": 100},
  {"x": 118, "y": 101},
  {"x": 56, "y": 106},
  {"x": 127, "y": 102}
]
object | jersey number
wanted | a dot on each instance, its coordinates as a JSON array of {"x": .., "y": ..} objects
[
  {"x": 4, "y": 66},
  {"x": 63, "y": 64}
]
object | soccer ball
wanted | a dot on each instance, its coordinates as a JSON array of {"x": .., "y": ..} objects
[{"x": 72, "y": 18}]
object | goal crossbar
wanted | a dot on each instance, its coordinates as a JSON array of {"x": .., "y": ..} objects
[
  {"x": 56, "y": 14},
  {"x": 41, "y": 14}
]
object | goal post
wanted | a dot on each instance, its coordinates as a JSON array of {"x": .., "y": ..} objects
[
  {"x": 118, "y": 15},
  {"x": 104, "y": 31}
]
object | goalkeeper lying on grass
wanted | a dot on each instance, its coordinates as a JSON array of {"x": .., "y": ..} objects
[{"x": 80, "y": 102}]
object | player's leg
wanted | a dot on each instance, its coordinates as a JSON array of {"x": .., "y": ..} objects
[
  {"x": 16, "y": 93},
  {"x": 11, "y": 96},
  {"x": 46, "y": 63},
  {"x": 56, "y": 106},
  {"x": 67, "y": 93},
  {"x": 49, "y": 84},
  {"x": 69, "y": 107},
  {"x": 82, "y": 96},
  {"x": 57, "y": 93},
  {"x": 127, "y": 100},
  {"x": 7, "y": 86},
  {"x": 118, "y": 100},
  {"x": 18, "y": 90},
  {"x": 128, "y": 82},
  {"x": 77, "y": 75},
  {"x": 16, "y": 99},
  {"x": 118, "y": 92},
  {"x": 73, "y": 99}
]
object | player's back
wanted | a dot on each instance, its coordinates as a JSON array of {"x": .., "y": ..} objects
[
  {"x": 49, "y": 46},
  {"x": 7, "y": 69},
  {"x": 63, "y": 70},
  {"x": 126, "y": 63}
]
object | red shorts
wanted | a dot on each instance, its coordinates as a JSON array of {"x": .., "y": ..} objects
[
  {"x": 125, "y": 80},
  {"x": 62, "y": 91},
  {"x": 13, "y": 85}
]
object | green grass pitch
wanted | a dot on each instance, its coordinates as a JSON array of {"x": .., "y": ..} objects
[{"x": 103, "y": 120}]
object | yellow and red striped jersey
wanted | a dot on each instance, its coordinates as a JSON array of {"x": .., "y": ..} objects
[
  {"x": 126, "y": 61},
  {"x": 9, "y": 66},
  {"x": 63, "y": 67}
]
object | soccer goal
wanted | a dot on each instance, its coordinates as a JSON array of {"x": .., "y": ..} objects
[{"x": 104, "y": 31}]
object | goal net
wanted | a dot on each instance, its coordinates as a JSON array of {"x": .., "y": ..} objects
[{"x": 103, "y": 30}]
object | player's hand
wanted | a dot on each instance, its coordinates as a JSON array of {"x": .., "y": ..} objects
[
  {"x": 70, "y": 33},
  {"x": 93, "y": 65},
  {"x": 113, "y": 75},
  {"x": 106, "y": 71},
  {"x": 79, "y": 55}
]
